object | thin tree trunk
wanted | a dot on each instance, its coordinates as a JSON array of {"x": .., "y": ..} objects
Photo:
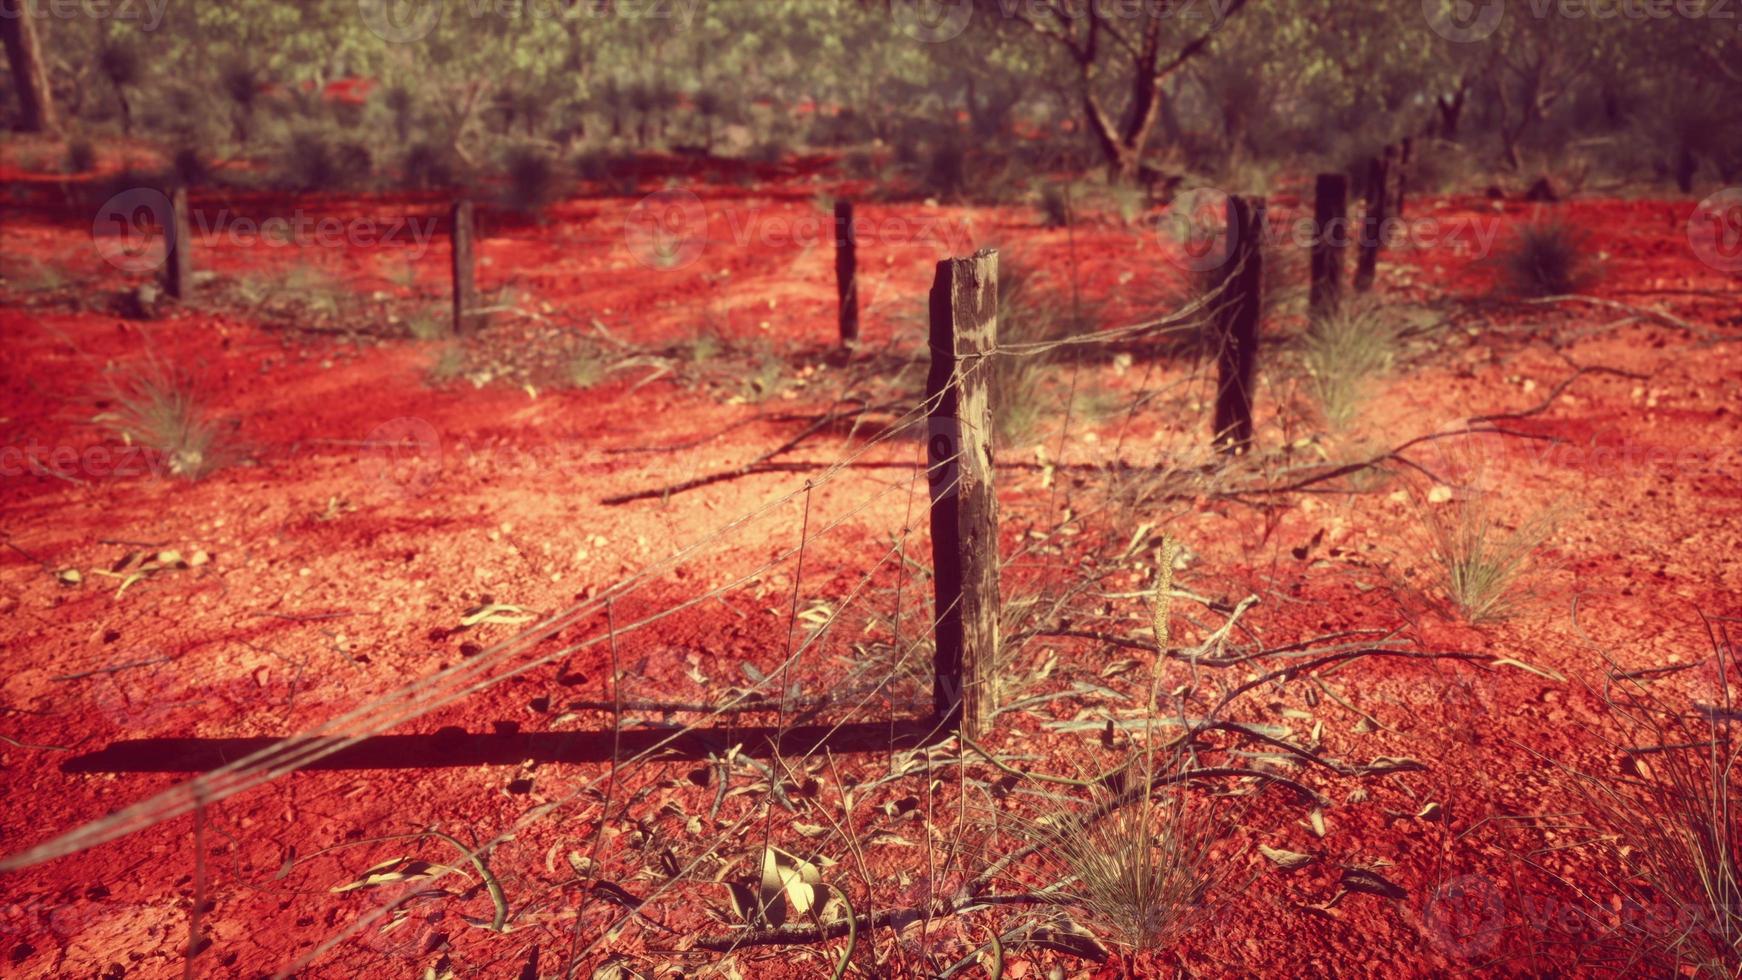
[{"x": 29, "y": 76}]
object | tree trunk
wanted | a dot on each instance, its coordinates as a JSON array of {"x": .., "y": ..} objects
[{"x": 29, "y": 76}]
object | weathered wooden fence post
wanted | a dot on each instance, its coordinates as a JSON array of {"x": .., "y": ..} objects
[
  {"x": 1373, "y": 221},
  {"x": 1242, "y": 279},
  {"x": 964, "y": 508},
  {"x": 465, "y": 280},
  {"x": 178, "y": 267},
  {"x": 1330, "y": 237},
  {"x": 846, "y": 273}
]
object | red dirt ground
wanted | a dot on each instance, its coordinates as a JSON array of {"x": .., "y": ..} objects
[{"x": 335, "y": 574}]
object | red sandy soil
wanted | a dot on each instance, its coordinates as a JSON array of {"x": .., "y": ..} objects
[{"x": 335, "y": 574}]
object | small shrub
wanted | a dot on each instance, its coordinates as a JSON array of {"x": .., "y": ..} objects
[
  {"x": 1546, "y": 258},
  {"x": 425, "y": 166},
  {"x": 81, "y": 156},
  {"x": 315, "y": 162},
  {"x": 946, "y": 173},
  {"x": 156, "y": 407},
  {"x": 191, "y": 169},
  {"x": 585, "y": 369},
  {"x": 449, "y": 364},
  {"x": 1055, "y": 206},
  {"x": 1481, "y": 563},
  {"x": 428, "y": 323},
  {"x": 1344, "y": 351},
  {"x": 532, "y": 179}
]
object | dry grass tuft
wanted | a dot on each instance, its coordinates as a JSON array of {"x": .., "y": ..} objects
[
  {"x": 1344, "y": 352},
  {"x": 1482, "y": 563},
  {"x": 157, "y": 407},
  {"x": 1546, "y": 258},
  {"x": 1672, "y": 820}
]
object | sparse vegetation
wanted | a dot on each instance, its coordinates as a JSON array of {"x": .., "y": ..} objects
[
  {"x": 1345, "y": 352},
  {"x": 1671, "y": 819},
  {"x": 153, "y": 405},
  {"x": 1546, "y": 258},
  {"x": 1482, "y": 563}
]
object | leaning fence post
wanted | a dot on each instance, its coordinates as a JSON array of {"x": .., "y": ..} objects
[
  {"x": 964, "y": 508},
  {"x": 1237, "y": 318},
  {"x": 465, "y": 281},
  {"x": 178, "y": 270},
  {"x": 846, "y": 273},
  {"x": 1373, "y": 221},
  {"x": 1330, "y": 236}
]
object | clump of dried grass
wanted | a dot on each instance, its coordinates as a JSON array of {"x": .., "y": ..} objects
[
  {"x": 1482, "y": 563},
  {"x": 1134, "y": 856},
  {"x": 1672, "y": 819},
  {"x": 153, "y": 405},
  {"x": 1344, "y": 351}
]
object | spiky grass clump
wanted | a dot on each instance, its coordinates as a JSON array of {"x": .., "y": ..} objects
[
  {"x": 1141, "y": 872},
  {"x": 1345, "y": 350},
  {"x": 1546, "y": 258},
  {"x": 1029, "y": 318},
  {"x": 1673, "y": 820},
  {"x": 1482, "y": 564},
  {"x": 157, "y": 407}
]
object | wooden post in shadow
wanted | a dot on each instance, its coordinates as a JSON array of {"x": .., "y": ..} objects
[
  {"x": 1330, "y": 236},
  {"x": 178, "y": 266},
  {"x": 846, "y": 273},
  {"x": 465, "y": 276},
  {"x": 1373, "y": 221},
  {"x": 964, "y": 508},
  {"x": 1237, "y": 316}
]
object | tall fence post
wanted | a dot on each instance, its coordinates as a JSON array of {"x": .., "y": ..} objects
[
  {"x": 1373, "y": 221},
  {"x": 964, "y": 508},
  {"x": 1330, "y": 236},
  {"x": 178, "y": 270},
  {"x": 1237, "y": 316},
  {"x": 465, "y": 280},
  {"x": 846, "y": 273}
]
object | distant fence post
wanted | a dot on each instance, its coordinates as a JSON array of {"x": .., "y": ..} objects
[
  {"x": 178, "y": 270},
  {"x": 465, "y": 281},
  {"x": 1330, "y": 236},
  {"x": 1242, "y": 279},
  {"x": 1373, "y": 221},
  {"x": 846, "y": 273},
  {"x": 964, "y": 508}
]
